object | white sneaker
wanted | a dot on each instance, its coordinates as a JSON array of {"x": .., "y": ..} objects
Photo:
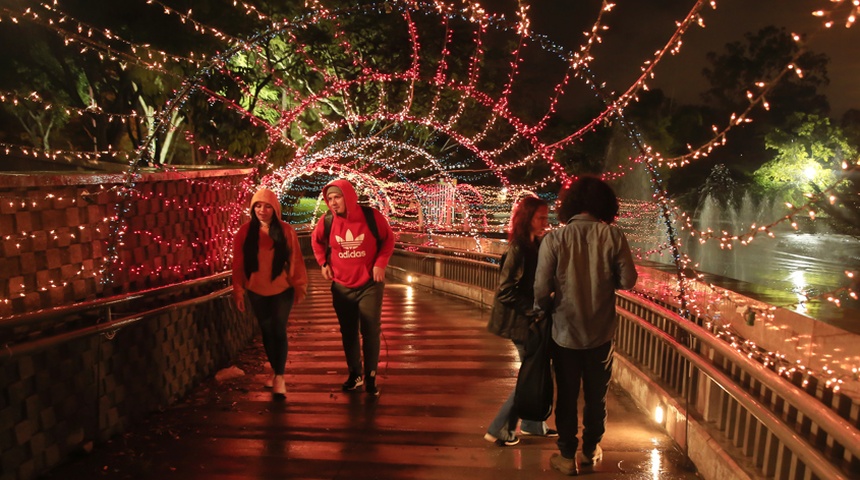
[{"x": 279, "y": 387}]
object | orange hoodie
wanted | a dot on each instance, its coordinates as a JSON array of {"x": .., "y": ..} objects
[{"x": 261, "y": 281}]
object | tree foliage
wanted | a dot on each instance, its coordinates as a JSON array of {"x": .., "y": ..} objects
[
  {"x": 761, "y": 57},
  {"x": 809, "y": 154}
]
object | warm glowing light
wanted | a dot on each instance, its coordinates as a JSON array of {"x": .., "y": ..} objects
[
  {"x": 655, "y": 464},
  {"x": 659, "y": 414}
]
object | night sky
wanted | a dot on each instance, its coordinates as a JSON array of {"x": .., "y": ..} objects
[{"x": 639, "y": 28}]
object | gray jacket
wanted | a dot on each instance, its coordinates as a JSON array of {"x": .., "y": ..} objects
[{"x": 579, "y": 268}]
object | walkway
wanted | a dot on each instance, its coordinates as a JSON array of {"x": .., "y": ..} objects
[{"x": 442, "y": 379}]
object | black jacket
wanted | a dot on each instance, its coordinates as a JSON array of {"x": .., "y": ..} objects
[{"x": 514, "y": 298}]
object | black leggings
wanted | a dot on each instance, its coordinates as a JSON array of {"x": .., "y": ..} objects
[{"x": 272, "y": 313}]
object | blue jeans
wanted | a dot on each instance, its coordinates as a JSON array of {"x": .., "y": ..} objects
[
  {"x": 272, "y": 313},
  {"x": 504, "y": 426}
]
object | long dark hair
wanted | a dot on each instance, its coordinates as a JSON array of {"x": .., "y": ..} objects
[
  {"x": 521, "y": 220},
  {"x": 588, "y": 194},
  {"x": 252, "y": 244}
]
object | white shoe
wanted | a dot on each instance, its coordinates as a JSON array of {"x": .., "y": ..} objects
[
  {"x": 278, "y": 385},
  {"x": 585, "y": 461}
]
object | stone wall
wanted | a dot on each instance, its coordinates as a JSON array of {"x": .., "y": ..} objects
[{"x": 58, "y": 401}]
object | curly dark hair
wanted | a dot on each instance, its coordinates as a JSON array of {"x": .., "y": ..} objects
[
  {"x": 588, "y": 194},
  {"x": 520, "y": 230}
]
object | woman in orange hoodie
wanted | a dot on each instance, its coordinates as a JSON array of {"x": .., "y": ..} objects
[{"x": 268, "y": 264}]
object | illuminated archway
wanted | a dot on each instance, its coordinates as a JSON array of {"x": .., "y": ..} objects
[
  {"x": 428, "y": 119},
  {"x": 437, "y": 108}
]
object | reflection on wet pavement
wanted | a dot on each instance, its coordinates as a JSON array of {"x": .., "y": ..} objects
[{"x": 442, "y": 376}]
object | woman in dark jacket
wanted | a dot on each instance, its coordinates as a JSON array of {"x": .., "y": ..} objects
[{"x": 513, "y": 301}]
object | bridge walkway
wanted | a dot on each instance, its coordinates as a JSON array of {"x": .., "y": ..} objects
[{"x": 442, "y": 378}]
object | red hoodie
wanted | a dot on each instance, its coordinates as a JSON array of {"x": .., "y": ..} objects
[{"x": 353, "y": 246}]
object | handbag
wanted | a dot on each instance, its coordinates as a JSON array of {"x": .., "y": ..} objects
[{"x": 534, "y": 392}]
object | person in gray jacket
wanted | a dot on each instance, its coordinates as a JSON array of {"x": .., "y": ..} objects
[{"x": 579, "y": 268}]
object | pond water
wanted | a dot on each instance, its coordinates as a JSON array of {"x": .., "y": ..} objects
[{"x": 784, "y": 270}]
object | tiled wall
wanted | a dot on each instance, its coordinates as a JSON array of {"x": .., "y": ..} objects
[{"x": 57, "y": 401}]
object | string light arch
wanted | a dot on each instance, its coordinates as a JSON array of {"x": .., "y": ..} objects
[{"x": 407, "y": 133}]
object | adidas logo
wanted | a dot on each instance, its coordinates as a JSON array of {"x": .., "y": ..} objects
[
  {"x": 352, "y": 254},
  {"x": 350, "y": 244}
]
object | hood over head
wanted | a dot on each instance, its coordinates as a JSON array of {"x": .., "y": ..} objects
[
  {"x": 353, "y": 212},
  {"x": 267, "y": 196}
]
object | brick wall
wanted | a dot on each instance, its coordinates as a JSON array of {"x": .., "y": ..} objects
[{"x": 58, "y": 248}]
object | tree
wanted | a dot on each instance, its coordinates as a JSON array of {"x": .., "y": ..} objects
[
  {"x": 761, "y": 57},
  {"x": 720, "y": 186},
  {"x": 809, "y": 155},
  {"x": 850, "y": 125}
]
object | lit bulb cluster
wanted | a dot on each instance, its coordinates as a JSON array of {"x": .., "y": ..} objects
[
  {"x": 831, "y": 374},
  {"x": 849, "y": 8},
  {"x": 14, "y": 99},
  {"x": 90, "y": 38},
  {"x": 728, "y": 239},
  {"x": 55, "y": 238}
]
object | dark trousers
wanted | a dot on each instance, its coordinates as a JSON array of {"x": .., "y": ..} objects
[
  {"x": 272, "y": 313},
  {"x": 591, "y": 369},
  {"x": 359, "y": 310}
]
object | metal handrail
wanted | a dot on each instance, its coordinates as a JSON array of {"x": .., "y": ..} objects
[
  {"x": 447, "y": 252},
  {"x": 34, "y": 346},
  {"x": 41, "y": 316},
  {"x": 448, "y": 257},
  {"x": 810, "y": 456},
  {"x": 828, "y": 421},
  {"x": 826, "y": 418}
]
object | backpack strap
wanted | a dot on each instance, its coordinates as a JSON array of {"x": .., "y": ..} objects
[
  {"x": 327, "y": 219},
  {"x": 370, "y": 218}
]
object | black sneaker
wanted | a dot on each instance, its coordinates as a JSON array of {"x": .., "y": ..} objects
[
  {"x": 351, "y": 383},
  {"x": 370, "y": 387},
  {"x": 500, "y": 442},
  {"x": 548, "y": 432}
]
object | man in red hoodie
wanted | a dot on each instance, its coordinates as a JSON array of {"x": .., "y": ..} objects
[{"x": 355, "y": 261}]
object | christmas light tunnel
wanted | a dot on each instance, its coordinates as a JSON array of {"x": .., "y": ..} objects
[
  {"x": 411, "y": 132},
  {"x": 430, "y": 136}
]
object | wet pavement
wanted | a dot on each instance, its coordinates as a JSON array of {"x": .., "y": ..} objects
[{"x": 442, "y": 379}]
